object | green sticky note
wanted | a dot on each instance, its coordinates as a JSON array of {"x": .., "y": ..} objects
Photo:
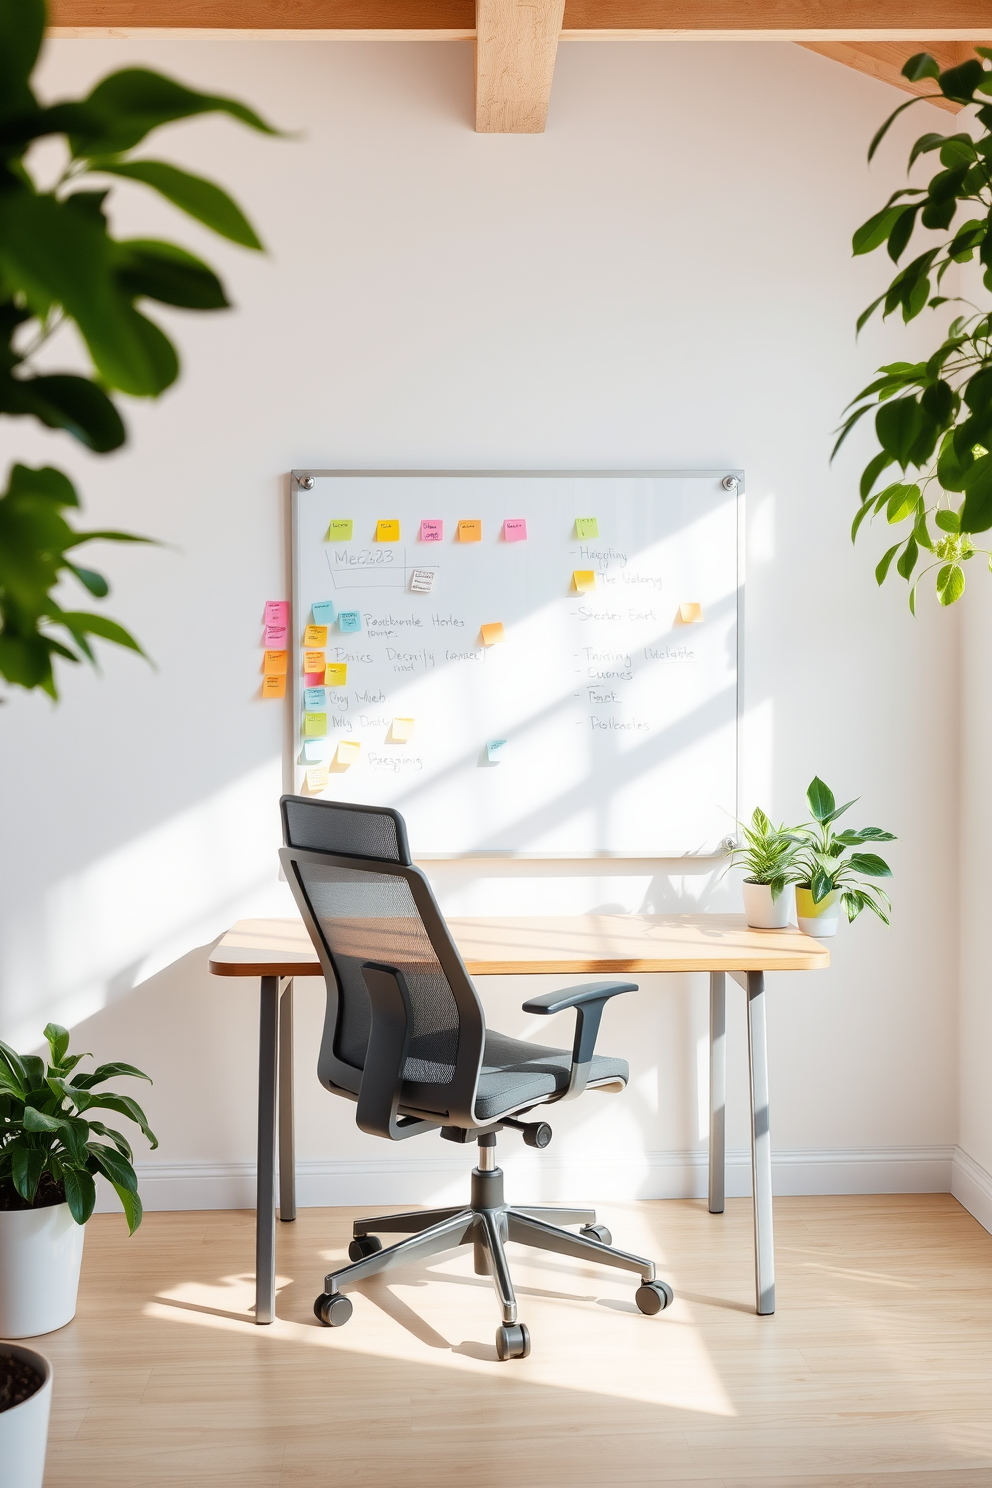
[
  {"x": 339, "y": 529},
  {"x": 314, "y": 725},
  {"x": 586, "y": 527}
]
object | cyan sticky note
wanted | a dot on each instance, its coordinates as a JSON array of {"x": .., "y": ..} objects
[
  {"x": 314, "y": 699},
  {"x": 315, "y": 751},
  {"x": 496, "y": 751},
  {"x": 323, "y": 611},
  {"x": 350, "y": 619}
]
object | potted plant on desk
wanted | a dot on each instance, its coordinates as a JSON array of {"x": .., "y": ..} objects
[
  {"x": 828, "y": 877},
  {"x": 48, "y": 1161},
  {"x": 769, "y": 855}
]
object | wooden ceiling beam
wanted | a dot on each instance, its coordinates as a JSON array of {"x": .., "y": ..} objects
[
  {"x": 515, "y": 48},
  {"x": 884, "y": 60}
]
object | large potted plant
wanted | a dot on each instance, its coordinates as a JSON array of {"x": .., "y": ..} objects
[
  {"x": 769, "y": 857},
  {"x": 25, "y": 1403},
  {"x": 828, "y": 877},
  {"x": 50, "y": 1153}
]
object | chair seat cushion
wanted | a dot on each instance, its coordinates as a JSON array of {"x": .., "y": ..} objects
[{"x": 515, "y": 1071}]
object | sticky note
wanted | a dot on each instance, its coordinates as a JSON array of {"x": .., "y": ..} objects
[
  {"x": 275, "y": 663},
  {"x": 317, "y": 778},
  {"x": 314, "y": 724},
  {"x": 314, "y": 661},
  {"x": 274, "y": 686},
  {"x": 314, "y": 699},
  {"x": 315, "y": 751},
  {"x": 402, "y": 730},
  {"x": 313, "y": 679},
  {"x": 336, "y": 674},
  {"x": 339, "y": 529},
  {"x": 275, "y": 637},
  {"x": 690, "y": 614},
  {"x": 586, "y": 527},
  {"x": 431, "y": 529},
  {"x": 422, "y": 581},
  {"x": 350, "y": 620},
  {"x": 387, "y": 531},
  {"x": 515, "y": 530},
  {"x": 496, "y": 751},
  {"x": 315, "y": 635},
  {"x": 348, "y": 751},
  {"x": 323, "y": 611},
  {"x": 470, "y": 531},
  {"x": 493, "y": 634},
  {"x": 277, "y": 612},
  {"x": 583, "y": 579}
]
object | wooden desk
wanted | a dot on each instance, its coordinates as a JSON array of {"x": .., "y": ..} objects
[{"x": 276, "y": 951}]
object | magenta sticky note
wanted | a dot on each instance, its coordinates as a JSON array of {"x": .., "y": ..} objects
[
  {"x": 277, "y": 612},
  {"x": 431, "y": 529},
  {"x": 275, "y": 637},
  {"x": 515, "y": 529},
  {"x": 313, "y": 679}
]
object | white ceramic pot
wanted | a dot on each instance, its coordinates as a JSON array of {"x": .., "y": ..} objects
[
  {"x": 820, "y": 919},
  {"x": 24, "y": 1428},
  {"x": 761, "y": 911},
  {"x": 41, "y": 1251}
]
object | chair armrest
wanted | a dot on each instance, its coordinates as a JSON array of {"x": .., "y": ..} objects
[
  {"x": 385, "y": 1057},
  {"x": 588, "y": 1002}
]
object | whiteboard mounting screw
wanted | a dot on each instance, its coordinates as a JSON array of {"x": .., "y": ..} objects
[
  {"x": 730, "y": 844},
  {"x": 729, "y": 483},
  {"x": 307, "y": 482}
]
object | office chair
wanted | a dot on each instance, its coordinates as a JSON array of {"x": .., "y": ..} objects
[{"x": 405, "y": 1037}]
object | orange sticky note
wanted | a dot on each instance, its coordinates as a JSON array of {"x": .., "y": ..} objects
[
  {"x": 275, "y": 663},
  {"x": 387, "y": 531},
  {"x": 317, "y": 778},
  {"x": 274, "y": 686},
  {"x": 402, "y": 730},
  {"x": 690, "y": 614},
  {"x": 583, "y": 580},
  {"x": 493, "y": 634},
  {"x": 336, "y": 674},
  {"x": 470, "y": 531},
  {"x": 314, "y": 661},
  {"x": 315, "y": 635},
  {"x": 348, "y": 751}
]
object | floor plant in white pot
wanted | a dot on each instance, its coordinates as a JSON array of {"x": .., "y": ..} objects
[
  {"x": 25, "y": 1404},
  {"x": 769, "y": 856},
  {"x": 51, "y": 1150},
  {"x": 830, "y": 879}
]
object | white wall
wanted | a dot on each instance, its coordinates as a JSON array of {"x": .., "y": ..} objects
[{"x": 662, "y": 279}]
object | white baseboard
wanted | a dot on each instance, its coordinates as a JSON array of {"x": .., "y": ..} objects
[
  {"x": 971, "y": 1185},
  {"x": 542, "y": 1178}
]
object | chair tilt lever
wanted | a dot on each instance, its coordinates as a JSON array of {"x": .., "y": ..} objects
[{"x": 535, "y": 1133}]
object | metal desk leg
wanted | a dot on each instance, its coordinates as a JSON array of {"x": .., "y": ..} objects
[
  {"x": 265, "y": 1197},
  {"x": 761, "y": 1146},
  {"x": 718, "y": 1090},
  {"x": 287, "y": 1144}
]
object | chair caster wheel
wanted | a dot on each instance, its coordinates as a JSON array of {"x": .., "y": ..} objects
[
  {"x": 512, "y": 1341},
  {"x": 597, "y": 1232},
  {"x": 334, "y": 1310},
  {"x": 654, "y": 1296},
  {"x": 364, "y": 1245}
]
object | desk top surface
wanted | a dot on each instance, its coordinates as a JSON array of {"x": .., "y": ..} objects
[{"x": 569, "y": 944}]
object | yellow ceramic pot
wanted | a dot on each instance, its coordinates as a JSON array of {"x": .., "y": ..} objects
[{"x": 820, "y": 919}]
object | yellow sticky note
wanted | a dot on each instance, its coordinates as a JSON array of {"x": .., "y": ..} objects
[
  {"x": 317, "y": 778},
  {"x": 275, "y": 663},
  {"x": 314, "y": 725},
  {"x": 274, "y": 686},
  {"x": 690, "y": 614},
  {"x": 336, "y": 674},
  {"x": 493, "y": 634},
  {"x": 583, "y": 580},
  {"x": 402, "y": 729},
  {"x": 586, "y": 527},
  {"x": 470, "y": 531},
  {"x": 315, "y": 635},
  {"x": 348, "y": 751},
  {"x": 340, "y": 529},
  {"x": 314, "y": 661},
  {"x": 387, "y": 531}
]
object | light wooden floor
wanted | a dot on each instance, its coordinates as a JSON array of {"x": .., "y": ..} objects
[{"x": 876, "y": 1369}]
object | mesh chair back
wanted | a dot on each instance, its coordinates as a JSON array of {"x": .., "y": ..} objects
[{"x": 337, "y": 827}]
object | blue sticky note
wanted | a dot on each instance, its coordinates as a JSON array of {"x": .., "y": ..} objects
[
  {"x": 323, "y": 612},
  {"x": 315, "y": 751},
  {"x": 350, "y": 620},
  {"x": 314, "y": 699},
  {"x": 496, "y": 751}
]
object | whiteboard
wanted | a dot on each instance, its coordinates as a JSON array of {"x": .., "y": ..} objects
[{"x": 604, "y": 722}]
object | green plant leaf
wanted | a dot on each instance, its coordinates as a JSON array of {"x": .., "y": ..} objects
[
  {"x": 959, "y": 83},
  {"x": 131, "y": 1205},
  {"x": 902, "y": 503},
  {"x": 124, "y": 1106},
  {"x": 162, "y": 272},
  {"x": 113, "y": 1166},
  {"x": 920, "y": 65},
  {"x": 976, "y": 512},
  {"x": 119, "y": 1140},
  {"x": 881, "y": 133},
  {"x": 907, "y": 558},
  {"x": 948, "y": 521},
  {"x": 22, "y": 26},
  {"x": 882, "y": 567},
  {"x": 871, "y": 234},
  {"x": 57, "y": 1039},
  {"x": 106, "y": 1072},
  {"x": 201, "y": 199},
  {"x": 898, "y": 425},
  {"x": 950, "y": 583},
  {"x": 871, "y": 864},
  {"x": 37, "y": 1121},
  {"x": 61, "y": 401},
  {"x": 872, "y": 471},
  {"x": 129, "y": 104},
  {"x": 80, "y": 1192},
  {"x": 821, "y": 799}
]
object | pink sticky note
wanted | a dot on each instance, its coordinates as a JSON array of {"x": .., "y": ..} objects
[
  {"x": 431, "y": 530},
  {"x": 313, "y": 679},
  {"x": 275, "y": 637},
  {"x": 277, "y": 612},
  {"x": 515, "y": 529}
]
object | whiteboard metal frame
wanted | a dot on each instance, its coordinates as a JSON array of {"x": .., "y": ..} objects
[{"x": 500, "y": 854}]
